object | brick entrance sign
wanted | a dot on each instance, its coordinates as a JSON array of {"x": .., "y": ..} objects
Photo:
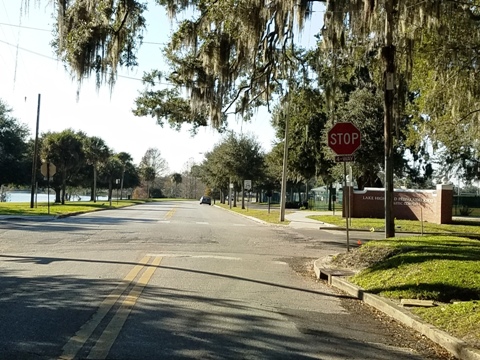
[{"x": 433, "y": 206}]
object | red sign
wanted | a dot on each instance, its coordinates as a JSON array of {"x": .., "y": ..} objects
[{"x": 344, "y": 138}]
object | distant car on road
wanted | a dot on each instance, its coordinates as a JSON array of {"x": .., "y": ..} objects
[{"x": 205, "y": 200}]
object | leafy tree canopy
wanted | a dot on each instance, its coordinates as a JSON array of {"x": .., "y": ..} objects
[
  {"x": 236, "y": 158},
  {"x": 13, "y": 148},
  {"x": 65, "y": 150}
]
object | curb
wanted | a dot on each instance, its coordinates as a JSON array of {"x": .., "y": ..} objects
[
  {"x": 457, "y": 347},
  {"x": 245, "y": 216}
]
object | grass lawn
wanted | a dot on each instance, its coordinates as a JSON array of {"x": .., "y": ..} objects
[
  {"x": 462, "y": 319},
  {"x": 442, "y": 268},
  {"x": 75, "y": 207},
  {"x": 415, "y": 226}
]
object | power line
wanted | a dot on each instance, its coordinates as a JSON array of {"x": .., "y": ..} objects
[
  {"x": 16, "y": 57},
  {"x": 45, "y": 30},
  {"x": 24, "y": 27},
  {"x": 30, "y": 51},
  {"x": 55, "y": 59}
]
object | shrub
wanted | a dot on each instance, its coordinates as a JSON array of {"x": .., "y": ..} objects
[
  {"x": 292, "y": 205},
  {"x": 465, "y": 210}
]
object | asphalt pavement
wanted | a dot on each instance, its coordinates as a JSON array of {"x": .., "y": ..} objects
[{"x": 327, "y": 233}]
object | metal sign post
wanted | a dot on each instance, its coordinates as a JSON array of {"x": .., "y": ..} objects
[
  {"x": 48, "y": 170},
  {"x": 247, "y": 185},
  {"x": 346, "y": 203},
  {"x": 117, "y": 181},
  {"x": 230, "y": 193},
  {"x": 48, "y": 187}
]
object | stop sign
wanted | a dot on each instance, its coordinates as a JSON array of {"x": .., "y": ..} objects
[
  {"x": 344, "y": 138},
  {"x": 48, "y": 169}
]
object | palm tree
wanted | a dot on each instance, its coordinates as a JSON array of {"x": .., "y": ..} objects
[
  {"x": 96, "y": 153},
  {"x": 124, "y": 158},
  {"x": 111, "y": 169},
  {"x": 177, "y": 179}
]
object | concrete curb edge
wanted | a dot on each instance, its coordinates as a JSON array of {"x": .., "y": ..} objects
[
  {"x": 457, "y": 347},
  {"x": 245, "y": 216}
]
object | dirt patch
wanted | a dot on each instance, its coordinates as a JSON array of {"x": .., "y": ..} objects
[
  {"x": 301, "y": 265},
  {"x": 361, "y": 258}
]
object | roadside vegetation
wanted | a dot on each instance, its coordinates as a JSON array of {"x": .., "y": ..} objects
[{"x": 444, "y": 269}]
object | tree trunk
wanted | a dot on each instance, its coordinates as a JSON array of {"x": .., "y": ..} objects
[
  {"x": 94, "y": 183},
  {"x": 121, "y": 183},
  {"x": 64, "y": 185},
  {"x": 58, "y": 194},
  {"x": 110, "y": 181}
]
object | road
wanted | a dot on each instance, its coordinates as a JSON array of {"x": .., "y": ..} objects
[{"x": 179, "y": 280}]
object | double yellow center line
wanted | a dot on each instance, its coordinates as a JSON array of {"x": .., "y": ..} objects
[
  {"x": 106, "y": 340},
  {"x": 170, "y": 213}
]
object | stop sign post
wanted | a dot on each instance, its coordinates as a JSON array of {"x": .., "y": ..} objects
[
  {"x": 48, "y": 169},
  {"x": 344, "y": 139}
]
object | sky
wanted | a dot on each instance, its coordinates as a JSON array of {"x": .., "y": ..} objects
[{"x": 28, "y": 67}]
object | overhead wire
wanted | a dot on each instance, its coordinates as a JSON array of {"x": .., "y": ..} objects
[
  {"x": 46, "y": 30},
  {"x": 17, "y": 56},
  {"x": 55, "y": 59},
  {"x": 3, "y": 32},
  {"x": 20, "y": 26}
]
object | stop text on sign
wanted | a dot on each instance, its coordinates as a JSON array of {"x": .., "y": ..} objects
[{"x": 344, "y": 138}]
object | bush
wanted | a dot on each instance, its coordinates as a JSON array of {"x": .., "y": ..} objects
[
  {"x": 292, "y": 205},
  {"x": 465, "y": 210},
  {"x": 156, "y": 193}
]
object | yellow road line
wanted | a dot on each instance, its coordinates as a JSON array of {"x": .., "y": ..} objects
[
  {"x": 111, "y": 332},
  {"x": 169, "y": 214},
  {"x": 73, "y": 346}
]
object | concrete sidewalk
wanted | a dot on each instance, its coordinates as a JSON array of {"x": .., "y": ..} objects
[{"x": 299, "y": 219}]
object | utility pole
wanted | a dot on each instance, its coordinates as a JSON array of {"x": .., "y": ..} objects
[
  {"x": 388, "y": 55},
  {"x": 283, "y": 192},
  {"x": 35, "y": 155}
]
